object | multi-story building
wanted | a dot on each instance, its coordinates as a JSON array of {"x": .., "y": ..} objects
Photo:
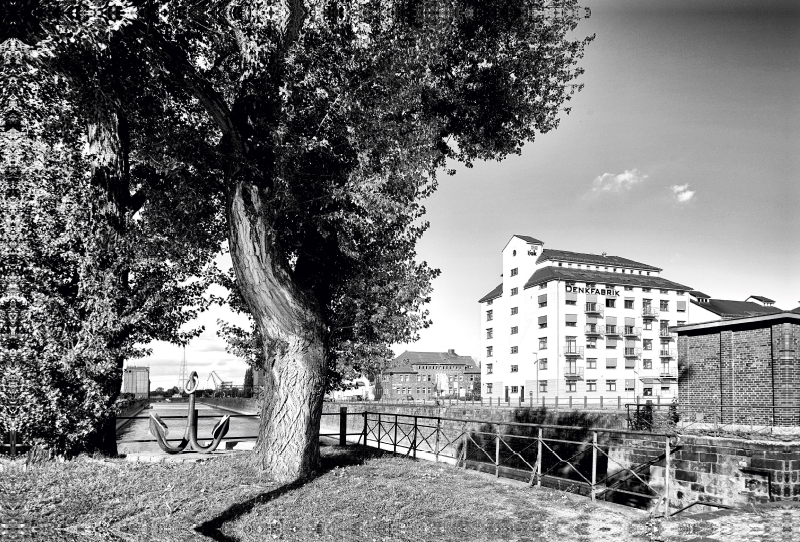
[
  {"x": 427, "y": 375},
  {"x": 568, "y": 323},
  {"x": 136, "y": 380}
]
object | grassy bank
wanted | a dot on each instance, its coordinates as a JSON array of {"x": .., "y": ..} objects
[{"x": 354, "y": 498}]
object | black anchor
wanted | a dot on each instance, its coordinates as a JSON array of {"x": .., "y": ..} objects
[{"x": 159, "y": 429}]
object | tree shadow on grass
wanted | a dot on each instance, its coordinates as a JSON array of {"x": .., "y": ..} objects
[{"x": 332, "y": 457}]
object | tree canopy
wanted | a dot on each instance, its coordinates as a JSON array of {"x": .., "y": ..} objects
[{"x": 307, "y": 134}]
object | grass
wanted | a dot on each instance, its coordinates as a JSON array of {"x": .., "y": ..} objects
[{"x": 375, "y": 497}]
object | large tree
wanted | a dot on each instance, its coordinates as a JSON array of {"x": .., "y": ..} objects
[{"x": 317, "y": 128}]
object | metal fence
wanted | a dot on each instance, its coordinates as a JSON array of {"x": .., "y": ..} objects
[
  {"x": 713, "y": 418},
  {"x": 575, "y": 402}
]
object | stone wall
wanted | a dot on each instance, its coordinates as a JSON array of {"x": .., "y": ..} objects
[{"x": 234, "y": 403}]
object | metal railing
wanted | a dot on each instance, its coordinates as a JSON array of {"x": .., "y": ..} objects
[
  {"x": 582, "y": 460},
  {"x": 665, "y": 333},
  {"x": 667, "y": 353},
  {"x": 649, "y": 312},
  {"x": 632, "y": 352},
  {"x": 573, "y": 372},
  {"x": 630, "y": 331},
  {"x": 573, "y": 350},
  {"x": 593, "y": 308},
  {"x": 611, "y": 330}
]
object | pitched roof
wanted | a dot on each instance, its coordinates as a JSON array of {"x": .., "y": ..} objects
[
  {"x": 741, "y": 309},
  {"x": 762, "y": 299},
  {"x": 494, "y": 294},
  {"x": 765, "y": 318},
  {"x": 584, "y": 275},
  {"x": 599, "y": 259},
  {"x": 529, "y": 239},
  {"x": 797, "y": 310},
  {"x": 407, "y": 359},
  {"x": 699, "y": 294}
]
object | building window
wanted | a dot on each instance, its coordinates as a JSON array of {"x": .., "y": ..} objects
[
  {"x": 489, "y": 333},
  {"x": 543, "y": 343},
  {"x": 543, "y": 386},
  {"x": 591, "y": 385},
  {"x": 514, "y": 349},
  {"x": 489, "y": 368},
  {"x": 514, "y": 330},
  {"x": 611, "y": 385},
  {"x": 489, "y": 315},
  {"x": 514, "y": 389},
  {"x": 488, "y": 389},
  {"x": 591, "y": 342},
  {"x": 646, "y": 289},
  {"x": 664, "y": 291},
  {"x": 489, "y": 351},
  {"x": 514, "y": 291},
  {"x": 611, "y": 303},
  {"x": 629, "y": 288},
  {"x": 514, "y": 310},
  {"x": 665, "y": 390},
  {"x": 629, "y": 385},
  {"x": 571, "y": 386},
  {"x": 681, "y": 322},
  {"x": 515, "y": 368},
  {"x": 629, "y": 303},
  {"x": 490, "y": 302},
  {"x": 543, "y": 303},
  {"x": 647, "y": 364},
  {"x": 647, "y": 392},
  {"x": 543, "y": 364},
  {"x": 514, "y": 272},
  {"x": 664, "y": 305},
  {"x": 542, "y": 286},
  {"x": 571, "y": 324},
  {"x": 647, "y": 344},
  {"x": 648, "y": 325},
  {"x": 543, "y": 325},
  {"x": 591, "y": 363}
]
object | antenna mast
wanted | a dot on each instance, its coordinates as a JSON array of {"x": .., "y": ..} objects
[{"x": 183, "y": 375}]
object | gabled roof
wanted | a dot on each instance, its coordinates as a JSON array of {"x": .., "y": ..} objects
[
  {"x": 605, "y": 277},
  {"x": 736, "y": 309},
  {"x": 598, "y": 259},
  {"x": 408, "y": 359},
  {"x": 529, "y": 239},
  {"x": 494, "y": 294},
  {"x": 699, "y": 294},
  {"x": 762, "y": 299}
]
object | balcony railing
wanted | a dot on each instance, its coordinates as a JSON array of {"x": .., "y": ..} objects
[
  {"x": 632, "y": 352},
  {"x": 665, "y": 334},
  {"x": 631, "y": 331},
  {"x": 612, "y": 330},
  {"x": 594, "y": 308},
  {"x": 667, "y": 353},
  {"x": 572, "y": 350},
  {"x": 668, "y": 373},
  {"x": 573, "y": 372},
  {"x": 649, "y": 312},
  {"x": 592, "y": 329}
]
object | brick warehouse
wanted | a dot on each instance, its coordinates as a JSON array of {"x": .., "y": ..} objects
[{"x": 744, "y": 370}]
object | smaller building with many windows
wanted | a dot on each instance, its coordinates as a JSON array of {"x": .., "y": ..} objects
[{"x": 427, "y": 375}]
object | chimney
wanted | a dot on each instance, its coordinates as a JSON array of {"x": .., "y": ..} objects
[{"x": 451, "y": 352}]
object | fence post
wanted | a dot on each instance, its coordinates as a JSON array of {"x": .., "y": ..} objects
[
  {"x": 601, "y": 402},
  {"x": 12, "y": 440},
  {"x": 556, "y": 402},
  {"x": 436, "y": 450},
  {"x": 585, "y": 402},
  {"x": 497, "y": 455},
  {"x": 414, "y": 443},
  {"x": 394, "y": 443},
  {"x": 531, "y": 396},
  {"x": 594, "y": 462},
  {"x": 539, "y": 459},
  {"x": 343, "y": 426},
  {"x": 543, "y": 406},
  {"x": 666, "y": 479},
  {"x": 379, "y": 430},
  {"x": 466, "y": 440},
  {"x": 570, "y": 401},
  {"x": 365, "y": 428},
  {"x": 619, "y": 402}
]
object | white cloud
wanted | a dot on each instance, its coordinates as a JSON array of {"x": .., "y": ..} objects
[
  {"x": 682, "y": 192},
  {"x": 611, "y": 182}
]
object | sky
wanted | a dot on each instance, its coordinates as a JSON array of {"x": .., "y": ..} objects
[{"x": 681, "y": 152}]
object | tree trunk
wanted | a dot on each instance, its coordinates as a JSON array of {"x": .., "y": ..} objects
[{"x": 289, "y": 322}]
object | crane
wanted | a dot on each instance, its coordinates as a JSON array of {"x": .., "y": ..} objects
[{"x": 219, "y": 384}]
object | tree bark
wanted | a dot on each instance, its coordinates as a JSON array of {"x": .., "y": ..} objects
[{"x": 288, "y": 320}]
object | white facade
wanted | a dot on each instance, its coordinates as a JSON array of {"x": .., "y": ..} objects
[{"x": 570, "y": 324}]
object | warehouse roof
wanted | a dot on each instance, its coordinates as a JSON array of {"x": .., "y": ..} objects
[
  {"x": 599, "y": 259},
  {"x": 605, "y": 277},
  {"x": 728, "y": 308}
]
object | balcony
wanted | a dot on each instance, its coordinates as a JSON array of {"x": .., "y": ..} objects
[
  {"x": 665, "y": 334},
  {"x": 649, "y": 312},
  {"x": 631, "y": 331},
  {"x": 594, "y": 308},
  {"x": 667, "y": 353},
  {"x": 632, "y": 352},
  {"x": 667, "y": 373},
  {"x": 592, "y": 330},
  {"x": 573, "y": 372},
  {"x": 612, "y": 331},
  {"x": 573, "y": 351}
]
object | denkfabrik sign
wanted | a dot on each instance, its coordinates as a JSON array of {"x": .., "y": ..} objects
[{"x": 597, "y": 291}]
